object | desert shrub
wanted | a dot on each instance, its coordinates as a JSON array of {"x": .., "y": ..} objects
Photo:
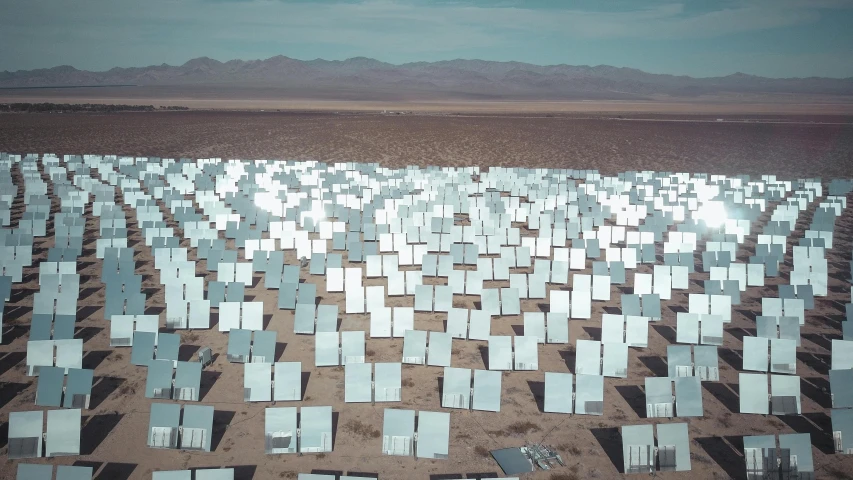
[
  {"x": 362, "y": 429},
  {"x": 522, "y": 428}
]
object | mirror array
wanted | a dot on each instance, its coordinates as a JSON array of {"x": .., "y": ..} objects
[{"x": 566, "y": 241}]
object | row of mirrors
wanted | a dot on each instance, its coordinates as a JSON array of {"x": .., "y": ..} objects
[{"x": 511, "y": 240}]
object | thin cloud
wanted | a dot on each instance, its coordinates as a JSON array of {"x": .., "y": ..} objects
[
  {"x": 98, "y": 34},
  {"x": 660, "y": 20}
]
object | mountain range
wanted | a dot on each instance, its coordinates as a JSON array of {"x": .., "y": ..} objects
[{"x": 452, "y": 78}]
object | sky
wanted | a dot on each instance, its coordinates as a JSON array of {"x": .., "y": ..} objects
[{"x": 702, "y": 38}]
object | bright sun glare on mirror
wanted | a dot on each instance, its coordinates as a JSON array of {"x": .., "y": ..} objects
[{"x": 712, "y": 213}]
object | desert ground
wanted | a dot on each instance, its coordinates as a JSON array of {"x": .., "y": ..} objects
[
  {"x": 114, "y": 429},
  {"x": 271, "y": 98},
  {"x": 798, "y": 148}
]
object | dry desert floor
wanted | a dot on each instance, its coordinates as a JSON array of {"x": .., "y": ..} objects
[{"x": 796, "y": 148}]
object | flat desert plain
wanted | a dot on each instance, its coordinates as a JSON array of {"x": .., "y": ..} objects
[
  {"x": 789, "y": 146},
  {"x": 367, "y": 99},
  {"x": 114, "y": 429}
]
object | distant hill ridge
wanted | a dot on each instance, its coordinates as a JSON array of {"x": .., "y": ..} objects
[{"x": 451, "y": 77}]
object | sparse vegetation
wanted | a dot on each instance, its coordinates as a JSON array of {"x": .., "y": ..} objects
[
  {"x": 837, "y": 473},
  {"x": 189, "y": 336},
  {"x": 481, "y": 451},
  {"x": 522, "y": 428},
  {"x": 564, "y": 476},
  {"x": 77, "y": 108},
  {"x": 370, "y": 353},
  {"x": 407, "y": 382},
  {"x": 362, "y": 429},
  {"x": 569, "y": 448},
  {"x": 127, "y": 389}
]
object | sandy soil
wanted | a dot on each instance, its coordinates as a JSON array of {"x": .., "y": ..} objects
[
  {"x": 114, "y": 430},
  {"x": 611, "y": 146}
]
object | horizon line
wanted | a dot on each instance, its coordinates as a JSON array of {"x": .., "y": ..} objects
[{"x": 429, "y": 62}]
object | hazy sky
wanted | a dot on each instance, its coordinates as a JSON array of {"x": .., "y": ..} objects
[{"x": 776, "y": 38}]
